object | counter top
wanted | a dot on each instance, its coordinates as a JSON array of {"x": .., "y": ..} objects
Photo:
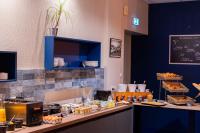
[
  {"x": 171, "y": 106},
  {"x": 70, "y": 120}
]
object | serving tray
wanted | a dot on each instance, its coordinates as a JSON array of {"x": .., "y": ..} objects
[
  {"x": 179, "y": 100},
  {"x": 166, "y": 86},
  {"x": 154, "y": 103},
  {"x": 160, "y": 76}
]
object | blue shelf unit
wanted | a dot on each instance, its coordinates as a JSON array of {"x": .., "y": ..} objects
[
  {"x": 8, "y": 65},
  {"x": 74, "y": 52}
]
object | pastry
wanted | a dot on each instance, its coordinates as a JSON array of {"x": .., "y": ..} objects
[
  {"x": 169, "y": 75},
  {"x": 196, "y": 86},
  {"x": 173, "y": 85}
]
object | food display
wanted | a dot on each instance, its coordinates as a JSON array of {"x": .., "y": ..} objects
[
  {"x": 96, "y": 106},
  {"x": 168, "y": 76},
  {"x": 51, "y": 119},
  {"x": 111, "y": 104},
  {"x": 125, "y": 96},
  {"x": 96, "y": 102},
  {"x": 174, "y": 86},
  {"x": 179, "y": 100},
  {"x": 196, "y": 85},
  {"x": 83, "y": 110}
]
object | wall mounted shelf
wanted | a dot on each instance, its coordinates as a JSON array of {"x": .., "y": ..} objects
[
  {"x": 74, "y": 52},
  {"x": 8, "y": 65}
]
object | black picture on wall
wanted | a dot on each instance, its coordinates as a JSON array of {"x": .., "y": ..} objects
[
  {"x": 184, "y": 49},
  {"x": 115, "y": 48}
]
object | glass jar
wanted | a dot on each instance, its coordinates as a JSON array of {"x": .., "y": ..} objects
[
  {"x": 2, "y": 110},
  {"x": 150, "y": 97}
]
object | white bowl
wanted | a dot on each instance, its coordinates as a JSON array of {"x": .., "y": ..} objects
[
  {"x": 142, "y": 87},
  {"x": 132, "y": 87},
  {"x": 122, "y": 87},
  {"x": 90, "y": 63}
]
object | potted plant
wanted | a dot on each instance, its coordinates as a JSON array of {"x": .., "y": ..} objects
[{"x": 54, "y": 15}]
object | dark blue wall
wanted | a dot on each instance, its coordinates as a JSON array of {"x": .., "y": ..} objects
[{"x": 150, "y": 55}]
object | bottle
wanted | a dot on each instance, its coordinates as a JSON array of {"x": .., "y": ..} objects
[{"x": 2, "y": 110}]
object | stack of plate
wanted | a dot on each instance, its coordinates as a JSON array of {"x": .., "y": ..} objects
[{"x": 90, "y": 63}]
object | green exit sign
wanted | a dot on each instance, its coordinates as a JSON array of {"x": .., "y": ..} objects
[{"x": 135, "y": 21}]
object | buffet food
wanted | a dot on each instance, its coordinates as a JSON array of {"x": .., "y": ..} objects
[
  {"x": 111, "y": 104},
  {"x": 127, "y": 96},
  {"x": 83, "y": 110},
  {"x": 168, "y": 76},
  {"x": 174, "y": 86},
  {"x": 179, "y": 100},
  {"x": 51, "y": 119},
  {"x": 197, "y": 86}
]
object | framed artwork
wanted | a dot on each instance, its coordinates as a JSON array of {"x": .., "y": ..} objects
[{"x": 115, "y": 48}]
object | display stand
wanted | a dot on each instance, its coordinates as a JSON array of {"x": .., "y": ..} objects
[{"x": 161, "y": 79}]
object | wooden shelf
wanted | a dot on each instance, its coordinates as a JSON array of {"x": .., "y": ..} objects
[{"x": 8, "y": 65}]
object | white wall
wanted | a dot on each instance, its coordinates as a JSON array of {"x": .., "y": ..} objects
[
  {"x": 23, "y": 21},
  {"x": 139, "y": 9}
]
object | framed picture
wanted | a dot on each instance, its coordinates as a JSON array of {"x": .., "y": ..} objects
[{"x": 115, "y": 48}]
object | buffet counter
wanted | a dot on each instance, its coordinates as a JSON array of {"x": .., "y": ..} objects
[
  {"x": 121, "y": 117},
  {"x": 72, "y": 120}
]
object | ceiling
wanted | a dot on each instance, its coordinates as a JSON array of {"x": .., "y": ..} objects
[{"x": 165, "y": 1}]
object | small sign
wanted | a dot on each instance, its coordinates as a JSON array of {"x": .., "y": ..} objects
[
  {"x": 125, "y": 10},
  {"x": 136, "y": 21}
]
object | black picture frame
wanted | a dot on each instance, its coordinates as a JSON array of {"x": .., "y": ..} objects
[{"x": 115, "y": 48}]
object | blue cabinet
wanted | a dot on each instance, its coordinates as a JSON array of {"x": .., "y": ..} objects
[
  {"x": 8, "y": 65},
  {"x": 73, "y": 51}
]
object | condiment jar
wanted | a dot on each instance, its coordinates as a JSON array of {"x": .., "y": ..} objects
[{"x": 150, "y": 97}]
